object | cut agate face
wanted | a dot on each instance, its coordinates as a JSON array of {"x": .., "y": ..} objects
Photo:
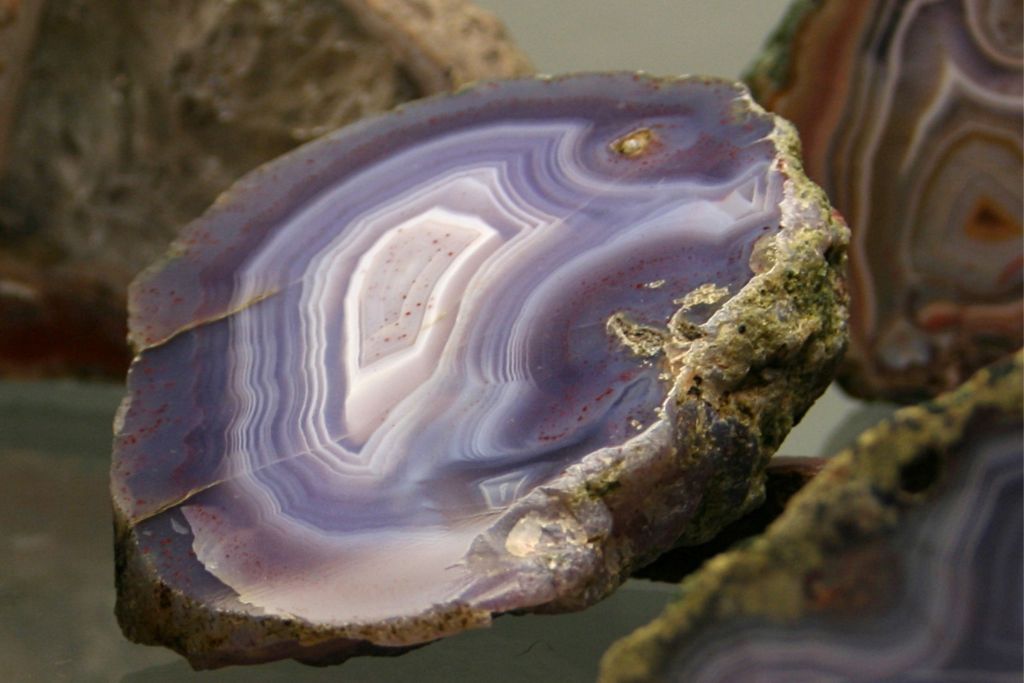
[
  {"x": 902, "y": 560},
  {"x": 486, "y": 353},
  {"x": 911, "y": 115}
]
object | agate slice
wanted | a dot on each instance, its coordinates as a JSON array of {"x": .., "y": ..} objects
[
  {"x": 121, "y": 121},
  {"x": 488, "y": 353},
  {"x": 901, "y": 561},
  {"x": 911, "y": 115}
]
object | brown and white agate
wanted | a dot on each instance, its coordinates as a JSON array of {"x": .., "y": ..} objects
[
  {"x": 901, "y": 561},
  {"x": 487, "y": 353},
  {"x": 911, "y": 114}
]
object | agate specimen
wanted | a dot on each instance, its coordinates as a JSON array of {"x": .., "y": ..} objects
[
  {"x": 122, "y": 121},
  {"x": 488, "y": 353},
  {"x": 911, "y": 116},
  {"x": 901, "y": 561}
]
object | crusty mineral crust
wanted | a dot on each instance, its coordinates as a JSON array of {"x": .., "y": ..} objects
[
  {"x": 806, "y": 562},
  {"x": 785, "y": 476},
  {"x": 743, "y": 377},
  {"x": 132, "y": 117},
  {"x": 772, "y": 69}
]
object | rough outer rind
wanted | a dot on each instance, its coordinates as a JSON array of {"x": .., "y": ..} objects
[
  {"x": 214, "y": 634},
  {"x": 173, "y": 101},
  {"x": 860, "y": 497},
  {"x": 739, "y": 388},
  {"x": 784, "y": 477},
  {"x": 743, "y": 377}
]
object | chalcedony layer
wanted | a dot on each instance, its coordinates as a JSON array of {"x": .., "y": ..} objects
[
  {"x": 381, "y": 377},
  {"x": 911, "y": 115}
]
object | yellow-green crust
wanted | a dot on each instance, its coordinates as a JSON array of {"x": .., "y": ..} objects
[{"x": 862, "y": 494}]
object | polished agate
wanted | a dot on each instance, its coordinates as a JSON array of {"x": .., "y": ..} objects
[
  {"x": 911, "y": 115},
  {"x": 902, "y": 560},
  {"x": 384, "y": 385}
]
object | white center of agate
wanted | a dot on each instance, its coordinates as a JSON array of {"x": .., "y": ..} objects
[{"x": 400, "y": 307}]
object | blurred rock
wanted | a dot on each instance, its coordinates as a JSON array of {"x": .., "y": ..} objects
[
  {"x": 911, "y": 116},
  {"x": 901, "y": 560},
  {"x": 784, "y": 476}
]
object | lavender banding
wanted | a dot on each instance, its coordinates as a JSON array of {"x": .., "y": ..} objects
[{"x": 375, "y": 386}]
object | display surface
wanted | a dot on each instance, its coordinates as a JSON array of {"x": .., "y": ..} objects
[{"x": 427, "y": 369}]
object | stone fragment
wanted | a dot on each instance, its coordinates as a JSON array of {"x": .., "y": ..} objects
[
  {"x": 901, "y": 561},
  {"x": 911, "y": 115},
  {"x": 19, "y": 23}
]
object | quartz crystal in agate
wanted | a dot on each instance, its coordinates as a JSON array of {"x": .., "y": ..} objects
[
  {"x": 901, "y": 561},
  {"x": 487, "y": 353},
  {"x": 911, "y": 115}
]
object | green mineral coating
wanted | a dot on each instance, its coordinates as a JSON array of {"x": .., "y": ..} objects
[
  {"x": 771, "y": 70},
  {"x": 643, "y": 340},
  {"x": 861, "y": 495}
]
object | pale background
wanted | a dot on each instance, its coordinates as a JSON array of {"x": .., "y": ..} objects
[{"x": 56, "y": 573}]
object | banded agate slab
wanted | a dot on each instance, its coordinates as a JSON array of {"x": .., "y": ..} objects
[
  {"x": 482, "y": 354},
  {"x": 911, "y": 115},
  {"x": 902, "y": 560}
]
